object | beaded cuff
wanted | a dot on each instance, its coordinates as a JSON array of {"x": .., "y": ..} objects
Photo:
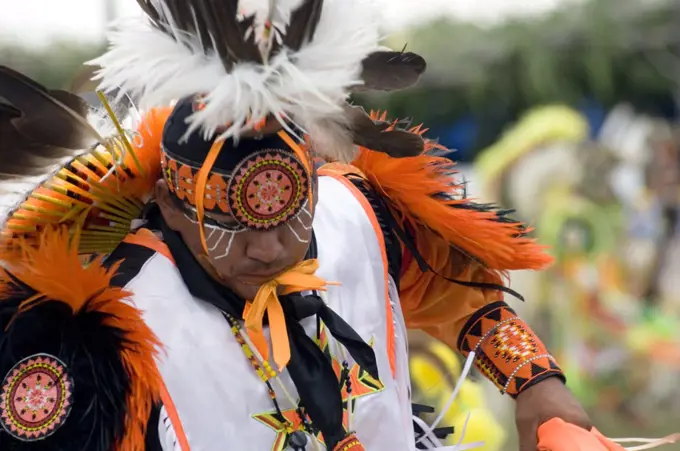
[{"x": 507, "y": 350}]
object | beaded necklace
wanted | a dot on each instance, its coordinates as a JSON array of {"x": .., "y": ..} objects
[{"x": 297, "y": 438}]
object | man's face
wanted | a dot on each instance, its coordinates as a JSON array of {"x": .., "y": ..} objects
[{"x": 239, "y": 258}]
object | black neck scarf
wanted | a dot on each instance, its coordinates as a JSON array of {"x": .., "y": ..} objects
[{"x": 311, "y": 371}]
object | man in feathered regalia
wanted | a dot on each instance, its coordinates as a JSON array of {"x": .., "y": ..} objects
[{"x": 234, "y": 295}]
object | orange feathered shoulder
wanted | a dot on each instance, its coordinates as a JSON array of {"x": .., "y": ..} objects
[
  {"x": 423, "y": 191},
  {"x": 71, "y": 311}
]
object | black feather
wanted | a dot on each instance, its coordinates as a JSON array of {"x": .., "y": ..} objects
[
  {"x": 389, "y": 71},
  {"x": 221, "y": 29},
  {"x": 72, "y": 101},
  {"x": 23, "y": 150},
  {"x": 20, "y": 156},
  {"x": 214, "y": 21},
  {"x": 303, "y": 23},
  {"x": 375, "y": 135},
  {"x": 8, "y": 112},
  {"x": 54, "y": 118},
  {"x": 91, "y": 352}
]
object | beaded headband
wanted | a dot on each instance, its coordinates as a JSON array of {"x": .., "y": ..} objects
[{"x": 264, "y": 190}]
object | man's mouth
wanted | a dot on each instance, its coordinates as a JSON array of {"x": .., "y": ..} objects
[{"x": 259, "y": 278}]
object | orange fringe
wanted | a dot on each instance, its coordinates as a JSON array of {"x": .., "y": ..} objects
[
  {"x": 55, "y": 271},
  {"x": 412, "y": 184}
]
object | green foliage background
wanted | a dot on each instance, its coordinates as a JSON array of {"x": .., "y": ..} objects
[
  {"x": 607, "y": 51},
  {"x": 55, "y": 65}
]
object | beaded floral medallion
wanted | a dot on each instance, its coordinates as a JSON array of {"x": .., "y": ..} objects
[{"x": 36, "y": 398}]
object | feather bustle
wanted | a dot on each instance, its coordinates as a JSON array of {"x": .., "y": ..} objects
[
  {"x": 54, "y": 272},
  {"x": 43, "y": 184},
  {"x": 424, "y": 191}
]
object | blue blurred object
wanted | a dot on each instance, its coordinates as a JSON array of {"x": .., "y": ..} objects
[
  {"x": 595, "y": 114},
  {"x": 460, "y": 137}
]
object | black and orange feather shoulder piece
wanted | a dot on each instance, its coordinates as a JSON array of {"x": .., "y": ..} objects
[
  {"x": 66, "y": 162},
  {"x": 423, "y": 191},
  {"x": 77, "y": 361}
]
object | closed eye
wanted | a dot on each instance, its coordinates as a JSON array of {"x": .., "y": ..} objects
[{"x": 231, "y": 225}]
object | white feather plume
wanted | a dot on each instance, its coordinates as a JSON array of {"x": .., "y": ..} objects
[{"x": 301, "y": 86}]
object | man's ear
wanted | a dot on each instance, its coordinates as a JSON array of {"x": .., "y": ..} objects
[{"x": 173, "y": 216}]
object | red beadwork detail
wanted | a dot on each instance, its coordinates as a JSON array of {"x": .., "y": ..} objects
[
  {"x": 514, "y": 342},
  {"x": 268, "y": 189},
  {"x": 350, "y": 443},
  {"x": 507, "y": 351},
  {"x": 36, "y": 398}
]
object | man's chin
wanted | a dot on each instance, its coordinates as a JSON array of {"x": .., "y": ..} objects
[
  {"x": 246, "y": 287},
  {"x": 245, "y": 290},
  {"x": 249, "y": 290}
]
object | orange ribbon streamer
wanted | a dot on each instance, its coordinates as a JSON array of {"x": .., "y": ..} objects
[{"x": 299, "y": 278}]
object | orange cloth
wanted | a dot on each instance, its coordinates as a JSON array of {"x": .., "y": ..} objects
[
  {"x": 435, "y": 305},
  {"x": 299, "y": 278},
  {"x": 558, "y": 435}
]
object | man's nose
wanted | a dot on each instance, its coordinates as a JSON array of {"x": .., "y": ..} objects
[{"x": 265, "y": 247}]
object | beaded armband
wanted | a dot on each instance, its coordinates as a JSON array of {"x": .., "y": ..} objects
[{"x": 507, "y": 351}]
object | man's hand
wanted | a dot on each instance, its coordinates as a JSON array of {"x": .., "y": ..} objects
[{"x": 542, "y": 402}]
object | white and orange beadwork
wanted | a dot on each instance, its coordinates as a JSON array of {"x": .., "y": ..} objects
[{"x": 265, "y": 190}]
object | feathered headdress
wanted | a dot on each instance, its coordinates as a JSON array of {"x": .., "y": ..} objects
[
  {"x": 71, "y": 163},
  {"x": 293, "y": 61}
]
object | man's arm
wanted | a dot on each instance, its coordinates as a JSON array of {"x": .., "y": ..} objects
[
  {"x": 506, "y": 350},
  {"x": 456, "y": 299},
  {"x": 454, "y": 256},
  {"x": 470, "y": 315}
]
